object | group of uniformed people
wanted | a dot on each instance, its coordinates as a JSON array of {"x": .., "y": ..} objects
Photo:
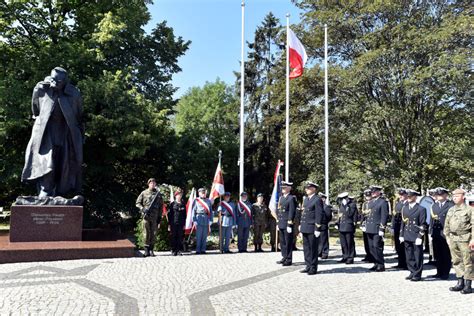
[{"x": 450, "y": 230}]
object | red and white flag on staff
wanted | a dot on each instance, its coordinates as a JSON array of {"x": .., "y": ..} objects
[
  {"x": 217, "y": 188},
  {"x": 276, "y": 188},
  {"x": 189, "y": 212},
  {"x": 298, "y": 55}
]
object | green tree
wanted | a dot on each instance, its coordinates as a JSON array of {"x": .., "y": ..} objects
[
  {"x": 206, "y": 121},
  {"x": 124, "y": 75}
]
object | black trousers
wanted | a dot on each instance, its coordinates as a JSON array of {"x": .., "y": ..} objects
[
  {"x": 177, "y": 234},
  {"x": 324, "y": 242},
  {"x": 399, "y": 248},
  {"x": 368, "y": 254},
  {"x": 347, "y": 245},
  {"x": 310, "y": 249},
  {"x": 414, "y": 256},
  {"x": 376, "y": 248},
  {"x": 286, "y": 245},
  {"x": 442, "y": 255}
]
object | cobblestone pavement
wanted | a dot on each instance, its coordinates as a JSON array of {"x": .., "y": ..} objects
[{"x": 237, "y": 284}]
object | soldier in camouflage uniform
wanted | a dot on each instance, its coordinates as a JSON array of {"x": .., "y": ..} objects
[
  {"x": 259, "y": 217},
  {"x": 459, "y": 232},
  {"x": 151, "y": 211}
]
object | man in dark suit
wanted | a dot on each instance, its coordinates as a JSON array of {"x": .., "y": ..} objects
[
  {"x": 440, "y": 246},
  {"x": 376, "y": 223},
  {"x": 411, "y": 234},
  {"x": 396, "y": 225},
  {"x": 347, "y": 218},
  {"x": 286, "y": 214},
  {"x": 324, "y": 238},
  {"x": 310, "y": 227}
]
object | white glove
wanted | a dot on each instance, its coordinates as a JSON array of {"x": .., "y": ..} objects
[
  {"x": 430, "y": 238},
  {"x": 289, "y": 230},
  {"x": 299, "y": 228},
  {"x": 363, "y": 228},
  {"x": 418, "y": 241},
  {"x": 344, "y": 202},
  {"x": 317, "y": 233},
  {"x": 401, "y": 239},
  {"x": 381, "y": 233},
  {"x": 336, "y": 226}
]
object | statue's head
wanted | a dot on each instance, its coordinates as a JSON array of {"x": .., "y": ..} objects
[{"x": 59, "y": 78}]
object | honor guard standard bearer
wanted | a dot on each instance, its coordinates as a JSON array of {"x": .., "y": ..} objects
[
  {"x": 459, "y": 232},
  {"x": 202, "y": 220},
  {"x": 228, "y": 213},
  {"x": 346, "y": 220},
  {"x": 310, "y": 227},
  {"x": 324, "y": 238},
  {"x": 441, "y": 253},
  {"x": 244, "y": 221},
  {"x": 411, "y": 234},
  {"x": 259, "y": 213},
  {"x": 396, "y": 227},
  {"x": 375, "y": 227},
  {"x": 286, "y": 215},
  {"x": 177, "y": 221},
  {"x": 363, "y": 219},
  {"x": 150, "y": 204}
]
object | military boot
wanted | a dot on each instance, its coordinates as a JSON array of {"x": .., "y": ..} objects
[
  {"x": 147, "y": 251},
  {"x": 467, "y": 287},
  {"x": 458, "y": 286}
]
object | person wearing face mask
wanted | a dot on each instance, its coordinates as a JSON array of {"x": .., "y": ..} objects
[
  {"x": 376, "y": 223},
  {"x": 347, "y": 218},
  {"x": 441, "y": 253},
  {"x": 396, "y": 225},
  {"x": 286, "y": 214},
  {"x": 53, "y": 158},
  {"x": 412, "y": 230}
]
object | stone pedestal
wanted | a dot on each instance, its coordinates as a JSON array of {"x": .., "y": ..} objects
[{"x": 45, "y": 223}]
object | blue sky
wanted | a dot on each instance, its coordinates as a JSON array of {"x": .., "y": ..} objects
[{"x": 214, "y": 27}]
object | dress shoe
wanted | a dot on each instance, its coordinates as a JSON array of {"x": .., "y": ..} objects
[
  {"x": 312, "y": 272},
  {"x": 409, "y": 277},
  {"x": 281, "y": 261},
  {"x": 324, "y": 256},
  {"x": 467, "y": 287},
  {"x": 286, "y": 263},
  {"x": 350, "y": 261},
  {"x": 198, "y": 252},
  {"x": 415, "y": 279},
  {"x": 305, "y": 270},
  {"x": 374, "y": 267},
  {"x": 380, "y": 269},
  {"x": 342, "y": 261},
  {"x": 366, "y": 259},
  {"x": 180, "y": 253},
  {"x": 175, "y": 253},
  {"x": 459, "y": 286}
]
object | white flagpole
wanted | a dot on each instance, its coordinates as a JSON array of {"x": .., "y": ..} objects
[
  {"x": 242, "y": 94},
  {"x": 287, "y": 136},
  {"x": 326, "y": 114}
]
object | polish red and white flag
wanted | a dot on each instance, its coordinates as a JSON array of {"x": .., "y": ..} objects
[{"x": 298, "y": 55}]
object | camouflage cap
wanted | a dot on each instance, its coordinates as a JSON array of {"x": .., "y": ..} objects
[{"x": 459, "y": 191}]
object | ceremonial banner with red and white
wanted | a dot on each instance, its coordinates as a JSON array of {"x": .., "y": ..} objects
[
  {"x": 276, "y": 188},
  {"x": 189, "y": 212},
  {"x": 298, "y": 55},
  {"x": 217, "y": 188}
]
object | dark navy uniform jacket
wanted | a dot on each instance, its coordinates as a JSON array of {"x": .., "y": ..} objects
[
  {"x": 347, "y": 217},
  {"x": 413, "y": 222},
  {"x": 377, "y": 217},
  {"x": 327, "y": 217},
  {"x": 397, "y": 217},
  {"x": 438, "y": 217},
  {"x": 312, "y": 215},
  {"x": 287, "y": 211}
]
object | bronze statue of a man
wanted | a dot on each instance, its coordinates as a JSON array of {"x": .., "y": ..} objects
[{"x": 53, "y": 158}]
